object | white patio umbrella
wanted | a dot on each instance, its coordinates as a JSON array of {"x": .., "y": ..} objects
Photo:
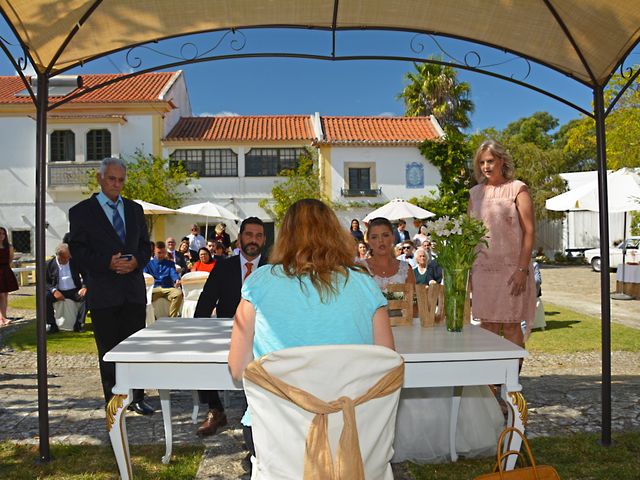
[
  {"x": 397, "y": 209},
  {"x": 623, "y": 195},
  {"x": 208, "y": 209},
  {"x": 153, "y": 209}
]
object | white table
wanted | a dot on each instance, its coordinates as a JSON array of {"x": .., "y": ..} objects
[
  {"x": 631, "y": 280},
  {"x": 191, "y": 353}
]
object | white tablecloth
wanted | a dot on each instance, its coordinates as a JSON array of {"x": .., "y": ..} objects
[{"x": 631, "y": 273}]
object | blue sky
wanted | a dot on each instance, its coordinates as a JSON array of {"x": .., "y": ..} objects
[{"x": 298, "y": 86}]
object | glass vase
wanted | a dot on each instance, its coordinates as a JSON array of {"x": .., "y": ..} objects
[{"x": 455, "y": 295}]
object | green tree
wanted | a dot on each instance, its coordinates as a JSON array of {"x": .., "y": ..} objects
[
  {"x": 451, "y": 156},
  {"x": 153, "y": 179},
  {"x": 434, "y": 89},
  {"x": 301, "y": 182},
  {"x": 622, "y": 127}
]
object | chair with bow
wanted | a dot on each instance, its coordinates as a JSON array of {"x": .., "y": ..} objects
[
  {"x": 324, "y": 412},
  {"x": 151, "y": 315},
  {"x": 192, "y": 285},
  {"x": 65, "y": 313}
]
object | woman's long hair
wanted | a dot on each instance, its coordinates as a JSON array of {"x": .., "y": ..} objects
[
  {"x": 312, "y": 242},
  {"x": 5, "y": 242}
]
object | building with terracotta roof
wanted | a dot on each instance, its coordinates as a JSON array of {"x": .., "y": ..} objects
[
  {"x": 116, "y": 120},
  {"x": 362, "y": 160}
]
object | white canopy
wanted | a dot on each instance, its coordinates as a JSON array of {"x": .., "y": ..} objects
[
  {"x": 153, "y": 209},
  {"x": 623, "y": 194},
  {"x": 208, "y": 209},
  {"x": 397, "y": 209}
]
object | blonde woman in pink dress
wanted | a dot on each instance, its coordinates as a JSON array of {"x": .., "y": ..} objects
[{"x": 504, "y": 290}]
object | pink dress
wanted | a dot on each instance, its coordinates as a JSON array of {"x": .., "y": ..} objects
[{"x": 492, "y": 299}]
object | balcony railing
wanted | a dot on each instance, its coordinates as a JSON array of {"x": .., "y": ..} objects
[
  {"x": 70, "y": 174},
  {"x": 367, "y": 192}
]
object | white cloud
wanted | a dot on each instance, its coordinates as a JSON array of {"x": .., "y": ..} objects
[
  {"x": 386, "y": 114},
  {"x": 224, "y": 113}
]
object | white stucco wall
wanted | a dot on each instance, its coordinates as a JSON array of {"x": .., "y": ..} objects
[
  {"x": 390, "y": 172},
  {"x": 179, "y": 95}
]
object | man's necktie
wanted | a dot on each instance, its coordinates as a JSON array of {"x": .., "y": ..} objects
[
  {"x": 249, "y": 267},
  {"x": 118, "y": 224}
]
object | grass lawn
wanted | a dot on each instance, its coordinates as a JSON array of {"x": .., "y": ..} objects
[
  {"x": 23, "y": 302},
  {"x": 577, "y": 457},
  {"x": 91, "y": 462},
  {"x": 569, "y": 332}
]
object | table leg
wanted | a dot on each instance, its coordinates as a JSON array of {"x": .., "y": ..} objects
[
  {"x": 453, "y": 421},
  {"x": 165, "y": 405},
  {"x": 196, "y": 406},
  {"x": 518, "y": 415},
  {"x": 117, "y": 428}
]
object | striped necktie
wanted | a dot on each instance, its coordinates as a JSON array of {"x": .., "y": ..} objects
[{"x": 118, "y": 223}]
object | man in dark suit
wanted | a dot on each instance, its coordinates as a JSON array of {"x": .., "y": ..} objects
[
  {"x": 400, "y": 234},
  {"x": 63, "y": 281},
  {"x": 222, "y": 293},
  {"x": 110, "y": 242}
]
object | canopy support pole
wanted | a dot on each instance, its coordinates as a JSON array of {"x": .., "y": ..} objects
[
  {"x": 601, "y": 147},
  {"x": 42, "y": 102}
]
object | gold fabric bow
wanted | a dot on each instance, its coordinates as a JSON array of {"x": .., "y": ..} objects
[{"x": 318, "y": 462}]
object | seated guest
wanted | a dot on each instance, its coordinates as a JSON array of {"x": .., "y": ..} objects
[
  {"x": 220, "y": 235},
  {"x": 329, "y": 298},
  {"x": 167, "y": 280},
  {"x": 211, "y": 246},
  {"x": 420, "y": 271},
  {"x": 407, "y": 253},
  {"x": 63, "y": 281},
  {"x": 176, "y": 256},
  {"x": 196, "y": 241},
  {"x": 363, "y": 251},
  {"x": 219, "y": 251},
  {"x": 206, "y": 262},
  {"x": 434, "y": 271},
  {"x": 183, "y": 249},
  {"x": 355, "y": 230}
]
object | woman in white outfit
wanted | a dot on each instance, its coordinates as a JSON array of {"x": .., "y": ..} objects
[{"x": 422, "y": 426}]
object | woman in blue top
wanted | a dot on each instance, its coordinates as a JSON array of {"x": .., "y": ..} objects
[{"x": 313, "y": 293}]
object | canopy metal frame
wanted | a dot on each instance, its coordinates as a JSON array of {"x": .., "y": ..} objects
[{"x": 42, "y": 105}]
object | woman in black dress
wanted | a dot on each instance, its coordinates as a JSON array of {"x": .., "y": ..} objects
[{"x": 8, "y": 281}]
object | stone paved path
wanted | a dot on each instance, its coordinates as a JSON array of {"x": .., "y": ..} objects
[{"x": 563, "y": 392}]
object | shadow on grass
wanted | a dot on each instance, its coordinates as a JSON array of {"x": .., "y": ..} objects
[{"x": 558, "y": 324}]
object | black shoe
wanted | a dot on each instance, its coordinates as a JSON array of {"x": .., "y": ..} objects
[
  {"x": 246, "y": 463},
  {"x": 52, "y": 328},
  {"x": 141, "y": 408}
]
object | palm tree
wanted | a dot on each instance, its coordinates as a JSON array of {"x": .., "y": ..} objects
[{"x": 435, "y": 90}]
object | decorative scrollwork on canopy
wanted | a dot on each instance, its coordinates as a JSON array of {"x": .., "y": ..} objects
[
  {"x": 20, "y": 62},
  {"x": 628, "y": 72},
  {"x": 471, "y": 59},
  {"x": 188, "y": 51}
]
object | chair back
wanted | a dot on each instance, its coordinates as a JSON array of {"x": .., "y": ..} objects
[
  {"x": 430, "y": 300},
  {"x": 328, "y": 373},
  {"x": 149, "y": 281},
  {"x": 402, "y": 302},
  {"x": 65, "y": 314},
  {"x": 192, "y": 285}
]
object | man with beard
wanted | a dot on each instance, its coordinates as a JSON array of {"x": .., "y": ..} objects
[{"x": 222, "y": 293}]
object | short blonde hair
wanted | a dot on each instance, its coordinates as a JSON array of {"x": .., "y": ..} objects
[{"x": 499, "y": 152}]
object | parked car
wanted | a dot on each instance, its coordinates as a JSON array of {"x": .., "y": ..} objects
[{"x": 592, "y": 256}]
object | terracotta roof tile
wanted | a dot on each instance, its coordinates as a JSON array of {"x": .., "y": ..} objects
[
  {"x": 142, "y": 88},
  {"x": 243, "y": 128},
  {"x": 378, "y": 130}
]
